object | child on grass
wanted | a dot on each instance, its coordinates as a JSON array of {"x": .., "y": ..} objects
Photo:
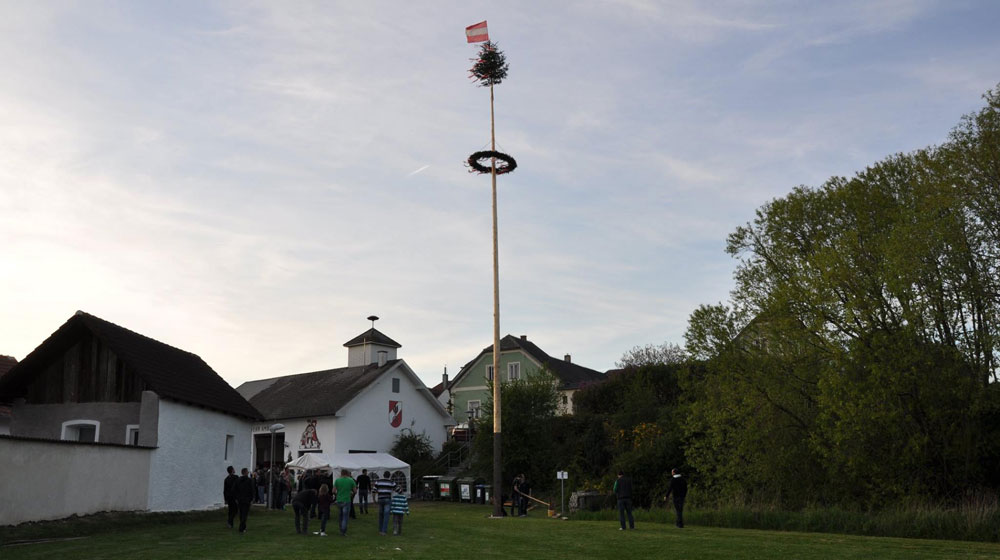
[
  {"x": 398, "y": 507},
  {"x": 324, "y": 501}
]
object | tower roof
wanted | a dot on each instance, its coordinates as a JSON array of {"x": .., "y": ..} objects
[{"x": 372, "y": 336}]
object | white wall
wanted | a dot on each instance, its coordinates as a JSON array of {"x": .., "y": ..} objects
[
  {"x": 364, "y": 422},
  {"x": 49, "y": 480},
  {"x": 189, "y": 464}
]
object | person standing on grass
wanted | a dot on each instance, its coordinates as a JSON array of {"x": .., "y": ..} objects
[
  {"x": 344, "y": 489},
  {"x": 364, "y": 488},
  {"x": 383, "y": 492},
  {"x": 312, "y": 483},
  {"x": 261, "y": 485},
  {"x": 623, "y": 492},
  {"x": 244, "y": 492},
  {"x": 679, "y": 488},
  {"x": 525, "y": 490},
  {"x": 302, "y": 503},
  {"x": 399, "y": 507},
  {"x": 229, "y": 494},
  {"x": 515, "y": 496},
  {"x": 324, "y": 501}
]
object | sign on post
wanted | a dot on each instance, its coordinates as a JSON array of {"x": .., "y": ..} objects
[{"x": 561, "y": 476}]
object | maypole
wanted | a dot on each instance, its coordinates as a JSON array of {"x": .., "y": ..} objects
[{"x": 490, "y": 69}]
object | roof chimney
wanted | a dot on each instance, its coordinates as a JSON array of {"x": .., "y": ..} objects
[
  {"x": 567, "y": 358},
  {"x": 524, "y": 337},
  {"x": 444, "y": 378}
]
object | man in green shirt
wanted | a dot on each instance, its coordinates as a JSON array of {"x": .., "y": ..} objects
[{"x": 344, "y": 488}]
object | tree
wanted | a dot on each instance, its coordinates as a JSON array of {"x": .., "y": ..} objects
[
  {"x": 529, "y": 412},
  {"x": 651, "y": 354},
  {"x": 415, "y": 449},
  {"x": 861, "y": 334},
  {"x": 631, "y": 422}
]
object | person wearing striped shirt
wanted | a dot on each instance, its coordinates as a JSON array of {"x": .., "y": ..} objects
[
  {"x": 399, "y": 507},
  {"x": 383, "y": 494}
]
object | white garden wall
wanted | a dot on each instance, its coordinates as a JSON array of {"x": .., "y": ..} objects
[{"x": 52, "y": 480}]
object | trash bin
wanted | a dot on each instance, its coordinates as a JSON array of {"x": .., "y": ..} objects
[
  {"x": 446, "y": 489},
  {"x": 481, "y": 492},
  {"x": 465, "y": 487},
  {"x": 429, "y": 487}
]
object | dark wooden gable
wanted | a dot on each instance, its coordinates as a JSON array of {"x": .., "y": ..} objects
[{"x": 88, "y": 371}]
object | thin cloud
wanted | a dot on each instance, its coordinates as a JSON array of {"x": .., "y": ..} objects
[{"x": 418, "y": 170}]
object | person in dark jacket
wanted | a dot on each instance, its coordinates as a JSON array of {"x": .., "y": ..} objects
[
  {"x": 679, "y": 488},
  {"x": 244, "y": 489},
  {"x": 364, "y": 488},
  {"x": 313, "y": 482},
  {"x": 302, "y": 503},
  {"x": 623, "y": 492},
  {"x": 229, "y": 494},
  {"x": 524, "y": 489}
]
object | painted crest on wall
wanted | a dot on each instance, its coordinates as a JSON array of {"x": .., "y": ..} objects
[
  {"x": 309, "y": 438},
  {"x": 395, "y": 413}
]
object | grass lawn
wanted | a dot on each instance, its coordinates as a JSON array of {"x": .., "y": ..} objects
[{"x": 457, "y": 531}]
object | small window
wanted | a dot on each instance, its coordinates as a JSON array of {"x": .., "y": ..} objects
[
  {"x": 230, "y": 442},
  {"x": 565, "y": 399},
  {"x": 474, "y": 409},
  {"x": 132, "y": 434},
  {"x": 395, "y": 384},
  {"x": 399, "y": 479},
  {"x": 489, "y": 373},
  {"x": 81, "y": 430},
  {"x": 513, "y": 371}
]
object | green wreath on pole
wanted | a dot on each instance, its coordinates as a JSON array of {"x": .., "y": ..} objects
[{"x": 505, "y": 162}]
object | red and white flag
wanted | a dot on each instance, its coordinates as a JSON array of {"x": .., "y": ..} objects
[{"x": 477, "y": 33}]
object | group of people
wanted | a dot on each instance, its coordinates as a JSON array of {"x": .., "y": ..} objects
[
  {"x": 281, "y": 482},
  {"x": 316, "y": 495},
  {"x": 623, "y": 492},
  {"x": 238, "y": 492}
]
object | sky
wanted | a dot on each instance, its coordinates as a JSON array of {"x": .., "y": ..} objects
[{"x": 248, "y": 181}]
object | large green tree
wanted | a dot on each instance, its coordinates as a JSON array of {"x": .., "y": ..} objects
[{"x": 858, "y": 348}]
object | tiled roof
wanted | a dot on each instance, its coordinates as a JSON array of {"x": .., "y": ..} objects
[
  {"x": 372, "y": 336},
  {"x": 6, "y": 364},
  {"x": 437, "y": 389},
  {"x": 318, "y": 393},
  {"x": 570, "y": 375},
  {"x": 168, "y": 371}
]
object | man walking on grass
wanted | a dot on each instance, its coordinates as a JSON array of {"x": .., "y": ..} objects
[
  {"x": 383, "y": 493},
  {"x": 244, "y": 491},
  {"x": 364, "y": 488},
  {"x": 344, "y": 488},
  {"x": 623, "y": 491},
  {"x": 229, "y": 494},
  {"x": 679, "y": 488}
]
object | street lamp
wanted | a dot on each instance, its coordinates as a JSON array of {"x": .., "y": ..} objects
[{"x": 270, "y": 478}]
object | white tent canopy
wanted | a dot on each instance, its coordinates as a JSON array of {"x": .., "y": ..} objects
[
  {"x": 376, "y": 463},
  {"x": 309, "y": 461}
]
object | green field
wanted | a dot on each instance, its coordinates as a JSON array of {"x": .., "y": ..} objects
[{"x": 452, "y": 531}]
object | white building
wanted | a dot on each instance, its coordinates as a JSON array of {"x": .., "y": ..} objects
[
  {"x": 106, "y": 419},
  {"x": 359, "y": 408}
]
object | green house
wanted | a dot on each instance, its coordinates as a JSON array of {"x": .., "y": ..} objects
[{"x": 519, "y": 359}]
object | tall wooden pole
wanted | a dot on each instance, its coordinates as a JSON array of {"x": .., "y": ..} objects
[{"x": 497, "y": 439}]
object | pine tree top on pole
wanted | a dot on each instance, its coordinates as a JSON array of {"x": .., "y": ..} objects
[{"x": 491, "y": 66}]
